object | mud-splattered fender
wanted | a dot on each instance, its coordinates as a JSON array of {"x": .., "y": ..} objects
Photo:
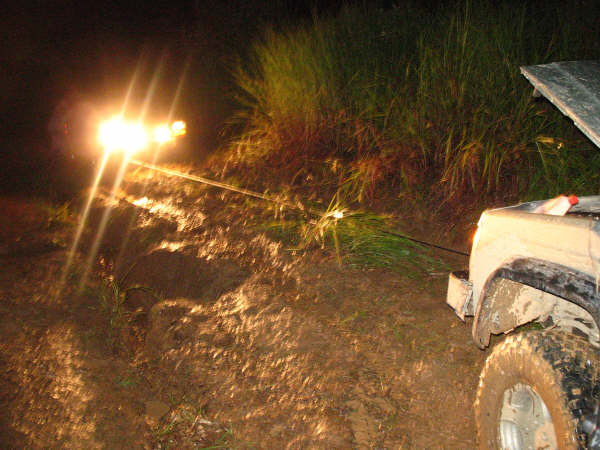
[{"x": 528, "y": 280}]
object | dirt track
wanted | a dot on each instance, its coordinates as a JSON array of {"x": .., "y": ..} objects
[{"x": 218, "y": 336}]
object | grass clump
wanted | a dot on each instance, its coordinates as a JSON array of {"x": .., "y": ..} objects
[
  {"x": 357, "y": 238},
  {"x": 113, "y": 297},
  {"x": 368, "y": 241},
  {"x": 414, "y": 103}
]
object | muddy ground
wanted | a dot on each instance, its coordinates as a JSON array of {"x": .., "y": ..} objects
[{"x": 198, "y": 330}]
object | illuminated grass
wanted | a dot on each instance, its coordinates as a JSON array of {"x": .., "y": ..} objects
[
  {"x": 366, "y": 241},
  {"x": 391, "y": 103},
  {"x": 112, "y": 296},
  {"x": 357, "y": 239}
]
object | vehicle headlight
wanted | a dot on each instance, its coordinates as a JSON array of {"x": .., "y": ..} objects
[{"x": 118, "y": 135}]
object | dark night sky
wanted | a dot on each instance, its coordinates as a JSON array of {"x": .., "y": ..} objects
[
  {"x": 73, "y": 51},
  {"x": 75, "y": 59},
  {"x": 56, "y": 46}
]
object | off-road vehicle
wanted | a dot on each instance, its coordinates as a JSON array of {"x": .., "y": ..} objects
[{"x": 536, "y": 276}]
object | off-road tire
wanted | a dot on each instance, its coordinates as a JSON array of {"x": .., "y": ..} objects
[{"x": 561, "y": 368}]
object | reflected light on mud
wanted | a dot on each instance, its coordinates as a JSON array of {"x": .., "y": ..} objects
[
  {"x": 172, "y": 133},
  {"x": 142, "y": 202},
  {"x": 169, "y": 209},
  {"x": 56, "y": 393}
]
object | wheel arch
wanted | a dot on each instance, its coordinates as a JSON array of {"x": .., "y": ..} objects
[{"x": 497, "y": 312}]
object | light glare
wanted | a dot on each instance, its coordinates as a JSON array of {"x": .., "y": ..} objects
[
  {"x": 130, "y": 137},
  {"x": 162, "y": 134},
  {"x": 118, "y": 135},
  {"x": 178, "y": 128}
]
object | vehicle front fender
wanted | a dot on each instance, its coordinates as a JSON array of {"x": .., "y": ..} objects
[{"x": 514, "y": 294}]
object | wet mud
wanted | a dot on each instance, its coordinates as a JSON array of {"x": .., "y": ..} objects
[{"x": 198, "y": 330}]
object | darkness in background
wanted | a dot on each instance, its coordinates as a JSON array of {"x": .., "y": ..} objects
[{"x": 63, "y": 61}]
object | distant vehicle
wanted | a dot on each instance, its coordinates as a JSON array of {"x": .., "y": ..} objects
[{"x": 534, "y": 273}]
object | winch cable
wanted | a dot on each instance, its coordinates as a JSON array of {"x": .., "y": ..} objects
[
  {"x": 427, "y": 244},
  {"x": 229, "y": 187}
]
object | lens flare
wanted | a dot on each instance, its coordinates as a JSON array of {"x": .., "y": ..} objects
[{"x": 81, "y": 226}]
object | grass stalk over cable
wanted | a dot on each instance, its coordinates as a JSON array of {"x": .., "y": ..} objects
[{"x": 357, "y": 239}]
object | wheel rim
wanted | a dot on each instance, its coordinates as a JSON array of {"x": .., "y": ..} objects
[{"x": 525, "y": 422}]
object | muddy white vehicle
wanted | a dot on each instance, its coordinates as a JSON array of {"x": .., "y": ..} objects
[{"x": 536, "y": 276}]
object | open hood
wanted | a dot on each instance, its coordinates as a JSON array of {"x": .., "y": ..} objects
[{"x": 574, "y": 87}]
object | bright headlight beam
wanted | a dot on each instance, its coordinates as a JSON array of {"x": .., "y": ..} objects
[
  {"x": 178, "y": 128},
  {"x": 136, "y": 138},
  {"x": 110, "y": 134},
  {"x": 163, "y": 134},
  {"x": 119, "y": 135},
  {"x": 130, "y": 137}
]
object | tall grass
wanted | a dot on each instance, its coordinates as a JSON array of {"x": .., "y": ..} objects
[{"x": 406, "y": 102}]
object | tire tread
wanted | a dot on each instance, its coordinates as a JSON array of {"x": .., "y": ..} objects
[{"x": 571, "y": 366}]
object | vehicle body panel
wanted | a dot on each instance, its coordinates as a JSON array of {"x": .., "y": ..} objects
[{"x": 574, "y": 88}]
